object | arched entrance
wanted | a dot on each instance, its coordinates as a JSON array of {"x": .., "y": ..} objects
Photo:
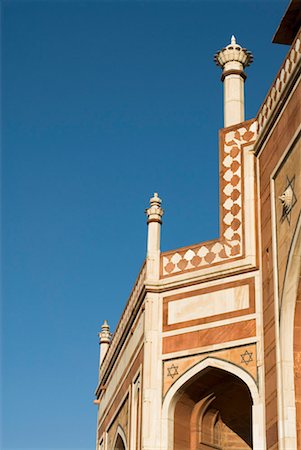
[
  {"x": 214, "y": 411},
  {"x": 214, "y": 405}
]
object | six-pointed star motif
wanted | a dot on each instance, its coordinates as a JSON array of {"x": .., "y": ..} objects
[
  {"x": 246, "y": 357},
  {"x": 172, "y": 371}
]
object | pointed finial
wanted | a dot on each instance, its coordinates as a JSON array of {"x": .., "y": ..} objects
[
  {"x": 233, "y": 40},
  {"x": 105, "y": 335},
  {"x": 154, "y": 212},
  {"x": 105, "y": 326},
  {"x": 155, "y": 200}
]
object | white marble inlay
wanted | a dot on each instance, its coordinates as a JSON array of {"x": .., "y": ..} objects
[
  {"x": 189, "y": 255},
  {"x": 207, "y": 305},
  {"x": 176, "y": 258},
  {"x": 228, "y": 189}
]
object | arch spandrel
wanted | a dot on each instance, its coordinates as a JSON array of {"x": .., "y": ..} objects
[{"x": 243, "y": 357}]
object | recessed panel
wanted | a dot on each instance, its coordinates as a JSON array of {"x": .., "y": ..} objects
[{"x": 209, "y": 304}]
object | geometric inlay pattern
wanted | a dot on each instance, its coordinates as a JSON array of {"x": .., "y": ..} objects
[
  {"x": 288, "y": 199},
  {"x": 230, "y": 244},
  {"x": 246, "y": 357},
  {"x": 172, "y": 371}
]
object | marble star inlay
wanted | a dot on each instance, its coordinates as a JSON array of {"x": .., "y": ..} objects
[
  {"x": 288, "y": 199},
  {"x": 246, "y": 357},
  {"x": 172, "y": 371}
]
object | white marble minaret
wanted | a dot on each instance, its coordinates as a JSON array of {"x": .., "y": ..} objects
[
  {"x": 154, "y": 221},
  {"x": 104, "y": 340},
  {"x": 233, "y": 59}
]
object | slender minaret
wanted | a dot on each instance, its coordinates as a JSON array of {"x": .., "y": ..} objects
[
  {"x": 152, "y": 349},
  {"x": 233, "y": 59},
  {"x": 154, "y": 221},
  {"x": 104, "y": 340}
]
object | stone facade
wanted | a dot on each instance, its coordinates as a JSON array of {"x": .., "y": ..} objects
[{"x": 207, "y": 353}]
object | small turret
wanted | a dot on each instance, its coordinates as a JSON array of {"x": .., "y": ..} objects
[
  {"x": 233, "y": 59},
  {"x": 104, "y": 340},
  {"x": 154, "y": 221}
]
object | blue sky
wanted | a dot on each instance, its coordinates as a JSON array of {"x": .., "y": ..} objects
[{"x": 103, "y": 103}]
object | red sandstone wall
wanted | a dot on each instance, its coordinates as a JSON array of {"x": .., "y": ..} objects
[{"x": 273, "y": 151}]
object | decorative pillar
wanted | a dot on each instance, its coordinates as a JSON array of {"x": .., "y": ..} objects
[
  {"x": 104, "y": 340},
  {"x": 154, "y": 221},
  {"x": 152, "y": 365},
  {"x": 233, "y": 59}
]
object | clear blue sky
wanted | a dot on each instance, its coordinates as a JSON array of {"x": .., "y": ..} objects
[{"x": 103, "y": 103}]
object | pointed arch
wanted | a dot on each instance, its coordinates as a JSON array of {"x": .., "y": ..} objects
[
  {"x": 197, "y": 414},
  {"x": 177, "y": 389},
  {"x": 119, "y": 439}
]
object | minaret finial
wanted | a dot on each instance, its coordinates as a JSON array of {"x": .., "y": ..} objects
[
  {"x": 155, "y": 205},
  {"x": 233, "y": 59}
]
